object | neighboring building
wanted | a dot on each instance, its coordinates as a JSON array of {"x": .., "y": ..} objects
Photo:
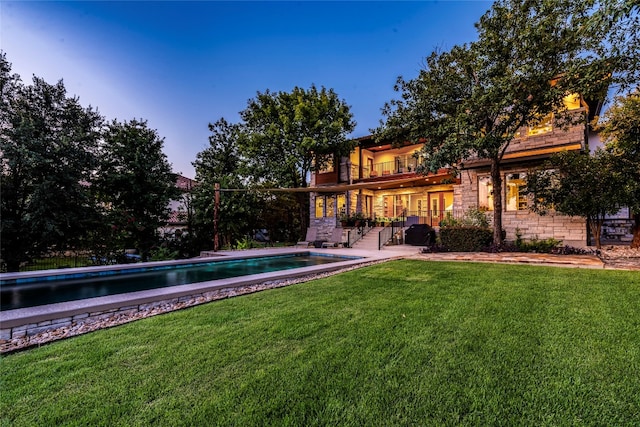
[
  {"x": 380, "y": 180},
  {"x": 179, "y": 207}
]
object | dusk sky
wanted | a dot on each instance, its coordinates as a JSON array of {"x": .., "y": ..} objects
[{"x": 183, "y": 65}]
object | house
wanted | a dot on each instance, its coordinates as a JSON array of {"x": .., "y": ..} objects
[
  {"x": 380, "y": 180},
  {"x": 177, "y": 221}
]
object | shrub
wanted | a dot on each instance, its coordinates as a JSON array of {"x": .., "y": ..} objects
[
  {"x": 466, "y": 238},
  {"x": 536, "y": 245},
  {"x": 162, "y": 253},
  {"x": 245, "y": 243},
  {"x": 473, "y": 217},
  {"x": 449, "y": 221}
]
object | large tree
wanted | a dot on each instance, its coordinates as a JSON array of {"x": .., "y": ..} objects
[
  {"x": 48, "y": 143},
  {"x": 471, "y": 101},
  {"x": 578, "y": 184},
  {"x": 621, "y": 132},
  {"x": 135, "y": 184},
  {"x": 221, "y": 163},
  {"x": 288, "y": 134}
]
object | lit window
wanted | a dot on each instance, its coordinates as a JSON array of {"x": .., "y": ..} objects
[
  {"x": 328, "y": 166},
  {"x": 319, "y": 207},
  {"x": 516, "y": 192},
  {"x": 342, "y": 204},
  {"x": 572, "y": 101},
  {"x": 544, "y": 126},
  {"x": 330, "y": 204},
  {"x": 325, "y": 206},
  {"x": 485, "y": 193}
]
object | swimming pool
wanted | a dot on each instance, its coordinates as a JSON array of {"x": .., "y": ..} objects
[{"x": 37, "y": 290}]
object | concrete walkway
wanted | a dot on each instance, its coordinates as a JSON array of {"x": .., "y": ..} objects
[
  {"x": 414, "y": 252},
  {"x": 576, "y": 261}
]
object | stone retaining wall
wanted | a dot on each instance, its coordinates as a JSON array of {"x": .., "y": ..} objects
[{"x": 128, "y": 311}]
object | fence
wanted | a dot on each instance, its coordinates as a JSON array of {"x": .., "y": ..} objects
[
  {"x": 432, "y": 217},
  {"x": 71, "y": 259}
]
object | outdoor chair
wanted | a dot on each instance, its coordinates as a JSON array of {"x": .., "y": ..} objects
[
  {"x": 335, "y": 240},
  {"x": 312, "y": 234}
]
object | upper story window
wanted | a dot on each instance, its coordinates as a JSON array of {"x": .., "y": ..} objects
[
  {"x": 327, "y": 167},
  {"x": 572, "y": 101},
  {"x": 485, "y": 193},
  {"x": 544, "y": 126},
  {"x": 516, "y": 192}
]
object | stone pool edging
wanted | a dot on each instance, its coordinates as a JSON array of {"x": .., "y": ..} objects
[{"x": 24, "y": 328}]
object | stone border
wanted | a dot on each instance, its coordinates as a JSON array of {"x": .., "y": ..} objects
[{"x": 31, "y": 335}]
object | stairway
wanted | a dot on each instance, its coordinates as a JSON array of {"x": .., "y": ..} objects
[{"x": 370, "y": 240}]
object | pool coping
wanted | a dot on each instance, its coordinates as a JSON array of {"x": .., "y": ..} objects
[{"x": 44, "y": 313}]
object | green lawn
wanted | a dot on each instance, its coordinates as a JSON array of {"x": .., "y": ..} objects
[{"x": 400, "y": 343}]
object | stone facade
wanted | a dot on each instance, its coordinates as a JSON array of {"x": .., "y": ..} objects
[
  {"x": 528, "y": 150},
  {"x": 571, "y": 230}
]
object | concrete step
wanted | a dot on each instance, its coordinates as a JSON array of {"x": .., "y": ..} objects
[{"x": 369, "y": 241}]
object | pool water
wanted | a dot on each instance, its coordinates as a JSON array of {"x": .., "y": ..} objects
[{"x": 52, "y": 289}]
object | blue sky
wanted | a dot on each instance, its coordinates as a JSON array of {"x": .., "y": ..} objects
[{"x": 183, "y": 65}]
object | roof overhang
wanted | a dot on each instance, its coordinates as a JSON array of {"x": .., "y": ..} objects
[
  {"x": 535, "y": 154},
  {"x": 408, "y": 182}
]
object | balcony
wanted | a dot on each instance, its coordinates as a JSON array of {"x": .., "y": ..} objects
[{"x": 399, "y": 166}]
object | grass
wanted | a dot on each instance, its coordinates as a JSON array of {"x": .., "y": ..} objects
[{"x": 400, "y": 343}]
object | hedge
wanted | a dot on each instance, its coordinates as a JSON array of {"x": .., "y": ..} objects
[{"x": 466, "y": 238}]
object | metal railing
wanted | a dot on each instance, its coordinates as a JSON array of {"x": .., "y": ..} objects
[
  {"x": 391, "y": 230},
  {"x": 398, "y": 166},
  {"x": 357, "y": 233},
  {"x": 432, "y": 217}
]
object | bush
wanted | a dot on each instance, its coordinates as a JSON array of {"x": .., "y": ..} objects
[
  {"x": 473, "y": 217},
  {"x": 466, "y": 238},
  {"x": 245, "y": 243},
  {"x": 162, "y": 253},
  {"x": 540, "y": 246}
]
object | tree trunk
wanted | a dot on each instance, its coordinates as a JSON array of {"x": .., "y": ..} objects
[
  {"x": 303, "y": 213},
  {"x": 496, "y": 182},
  {"x": 635, "y": 242},
  {"x": 595, "y": 225}
]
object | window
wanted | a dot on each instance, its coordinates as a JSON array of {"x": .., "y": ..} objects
[
  {"x": 327, "y": 167},
  {"x": 319, "y": 206},
  {"x": 342, "y": 204},
  {"x": 325, "y": 206},
  {"x": 330, "y": 204},
  {"x": 485, "y": 193},
  {"x": 572, "y": 101},
  {"x": 545, "y": 125},
  {"x": 516, "y": 192}
]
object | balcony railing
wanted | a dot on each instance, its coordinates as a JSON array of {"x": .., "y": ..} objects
[{"x": 398, "y": 166}]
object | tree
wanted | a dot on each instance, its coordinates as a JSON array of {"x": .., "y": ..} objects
[
  {"x": 286, "y": 135},
  {"x": 48, "y": 143},
  {"x": 620, "y": 131},
  {"x": 578, "y": 184},
  {"x": 222, "y": 163},
  {"x": 613, "y": 48},
  {"x": 135, "y": 184},
  {"x": 471, "y": 101}
]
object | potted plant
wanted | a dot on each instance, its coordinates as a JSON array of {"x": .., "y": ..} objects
[
  {"x": 344, "y": 220},
  {"x": 358, "y": 218}
]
